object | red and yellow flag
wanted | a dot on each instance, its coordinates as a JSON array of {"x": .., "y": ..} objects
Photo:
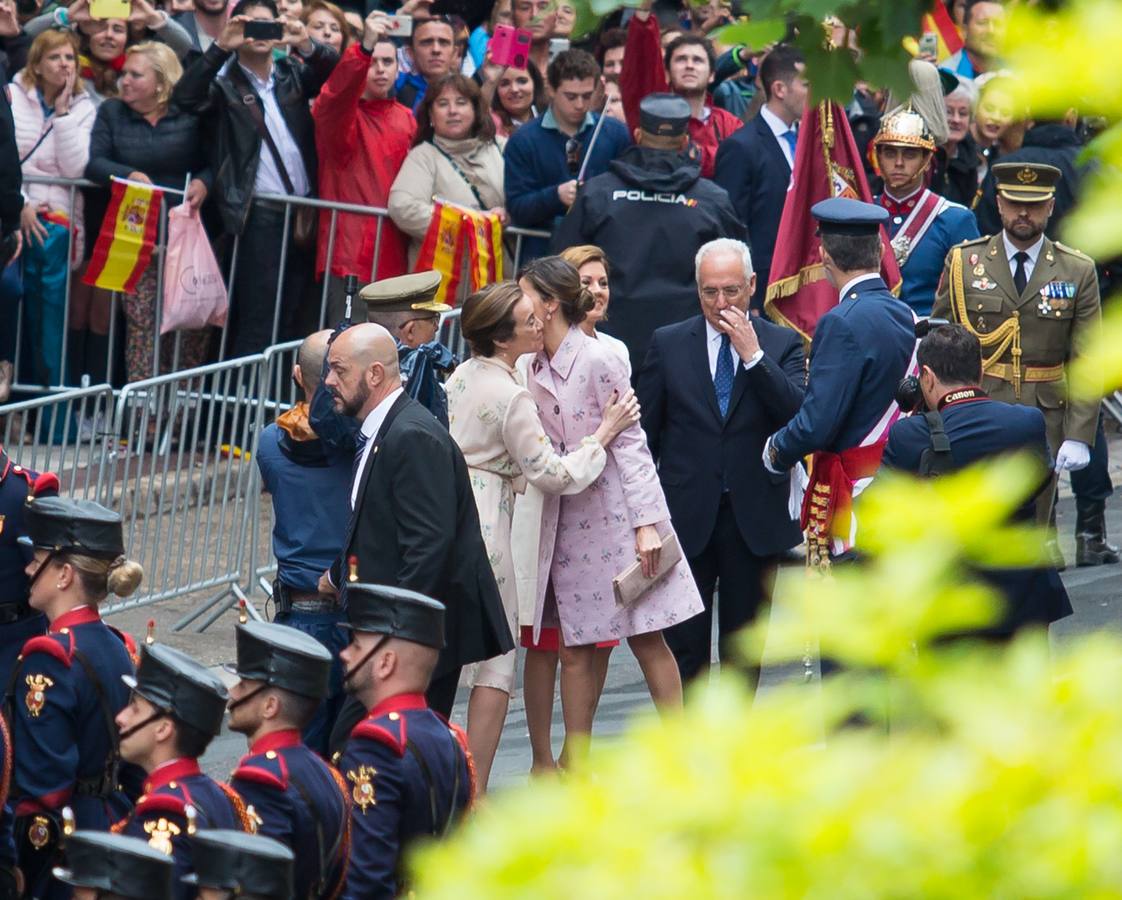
[
  {"x": 453, "y": 232},
  {"x": 939, "y": 22},
  {"x": 127, "y": 238}
]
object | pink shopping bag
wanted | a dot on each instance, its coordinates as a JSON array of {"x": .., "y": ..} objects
[{"x": 194, "y": 292}]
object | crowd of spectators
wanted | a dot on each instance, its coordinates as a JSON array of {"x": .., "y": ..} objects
[{"x": 388, "y": 108}]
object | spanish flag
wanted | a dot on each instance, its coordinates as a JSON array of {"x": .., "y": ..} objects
[
  {"x": 485, "y": 249},
  {"x": 128, "y": 237},
  {"x": 443, "y": 250},
  {"x": 939, "y": 21}
]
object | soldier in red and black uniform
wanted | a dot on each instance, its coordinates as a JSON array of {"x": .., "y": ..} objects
[
  {"x": 293, "y": 795},
  {"x": 66, "y": 687}
]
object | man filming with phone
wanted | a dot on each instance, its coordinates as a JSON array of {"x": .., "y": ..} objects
[
  {"x": 263, "y": 143},
  {"x": 955, "y": 424}
]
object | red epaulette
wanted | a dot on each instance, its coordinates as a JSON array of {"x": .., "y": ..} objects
[
  {"x": 161, "y": 803},
  {"x": 45, "y": 484},
  {"x": 49, "y": 644},
  {"x": 130, "y": 644},
  {"x": 388, "y": 729},
  {"x": 260, "y": 769}
]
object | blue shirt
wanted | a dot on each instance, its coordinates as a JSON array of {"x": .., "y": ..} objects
[{"x": 311, "y": 489}]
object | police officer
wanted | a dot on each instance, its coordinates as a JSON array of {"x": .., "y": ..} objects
[
  {"x": 922, "y": 225},
  {"x": 115, "y": 866},
  {"x": 978, "y": 427},
  {"x": 247, "y": 866},
  {"x": 18, "y": 622},
  {"x": 862, "y": 348},
  {"x": 407, "y": 768},
  {"x": 292, "y": 794},
  {"x": 66, "y": 687},
  {"x": 406, "y": 306},
  {"x": 650, "y": 213},
  {"x": 1031, "y": 302},
  {"x": 174, "y": 712}
]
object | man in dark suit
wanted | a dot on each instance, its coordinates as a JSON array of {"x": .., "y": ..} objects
[
  {"x": 950, "y": 360},
  {"x": 712, "y": 389},
  {"x": 754, "y": 163},
  {"x": 414, "y": 523}
]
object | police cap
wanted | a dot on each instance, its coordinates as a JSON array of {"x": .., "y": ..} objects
[
  {"x": 175, "y": 683},
  {"x": 395, "y": 612},
  {"x": 842, "y": 215},
  {"x": 283, "y": 657},
  {"x": 405, "y": 293},
  {"x": 1026, "y": 182},
  {"x": 664, "y": 115},
  {"x": 251, "y": 866},
  {"x": 81, "y": 526},
  {"x": 118, "y": 865}
]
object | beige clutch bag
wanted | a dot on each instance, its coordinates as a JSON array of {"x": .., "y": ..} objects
[{"x": 630, "y": 585}]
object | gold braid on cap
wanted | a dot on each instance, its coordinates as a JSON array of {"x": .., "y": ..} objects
[
  {"x": 1007, "y": 335},
  {"x": 905, "y": 127}
]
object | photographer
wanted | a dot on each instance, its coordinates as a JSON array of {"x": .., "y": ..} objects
[{"x": 955, "y": 424}]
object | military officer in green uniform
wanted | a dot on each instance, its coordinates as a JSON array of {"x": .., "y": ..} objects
[{"x": 1033, "y": 303}]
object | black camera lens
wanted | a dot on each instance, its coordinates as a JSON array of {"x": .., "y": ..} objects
[{"x": 908, "y": 395}]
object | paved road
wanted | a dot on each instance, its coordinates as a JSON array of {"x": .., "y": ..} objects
[{"x": 1096, "y": 595}]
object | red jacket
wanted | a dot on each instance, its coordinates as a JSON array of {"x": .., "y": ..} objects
[
  {"x": 644, "y": 73},
  {"x": 361, "y": 146}
]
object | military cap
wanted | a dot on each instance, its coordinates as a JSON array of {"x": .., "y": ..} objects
[
  {"x": 905, "y": 127},
  {"x": 283, "y": 657},
  {"x": 170, "y": 680},
  {"x": 842, "y": 215},
  {"x": 664, "y": 115},
  {"x": 249, "y": 865},
  {"x": 118, "y": 865},
  {"x": 82, "y": 526},
  {"x": 395, "y": 612},
  {"x": 1026, "y": 182},
  {"x": 405, "y": 293}
]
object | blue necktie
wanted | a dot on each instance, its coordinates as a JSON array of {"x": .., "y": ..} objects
[
  {"x": 722, "y": 381},
  {"x": 792, "y": 138},
  {"x": 360, "y": 444}
]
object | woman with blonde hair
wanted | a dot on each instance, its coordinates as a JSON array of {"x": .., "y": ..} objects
[
  {"x": 496, "y": 425},
  {"x": 68, "y": 682},
  {"x": 141, "y": 136},
  {"x": 591, "y": 264}
]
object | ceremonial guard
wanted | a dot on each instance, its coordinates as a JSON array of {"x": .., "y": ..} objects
[
  {"x": 174, "y": 712},
  {"x": 247, "y": 866},
  {"x": 922, "y": 225},
  {"x": 862, "y": 348},
  {"x": 100, "y": 865},
  {"x": 1031, "y": 302},
  {"x": 66, "y": 688},
  {"x": 291, "y": 793},
  {"x": 18, "y": 622},
  {"x": 408, "y": 769}
]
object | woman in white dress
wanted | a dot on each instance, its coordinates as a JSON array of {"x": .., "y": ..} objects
[{"x": 495, "y": 422}]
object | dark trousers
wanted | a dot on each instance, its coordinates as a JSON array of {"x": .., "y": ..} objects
[
  {"x": 1093, "y": 482},
  {"x": 746, "y": 581},
  {"x": 324, "y": 627},
  {"x": 254, "y": 298}
]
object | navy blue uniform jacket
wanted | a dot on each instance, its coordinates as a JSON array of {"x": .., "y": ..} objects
[
  {"x": 295, "y": 797},
  {"x": 979, "y": 429},
  {"x": 699, "y": 453},
  {"x": 409, "y": 777},
  {"x": 861, "y": 350}
]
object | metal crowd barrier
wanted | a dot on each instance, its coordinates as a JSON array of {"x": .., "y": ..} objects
[{"x": 290, "y": 204}]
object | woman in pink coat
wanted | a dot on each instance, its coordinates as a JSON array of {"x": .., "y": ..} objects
[{"x": 589, "y": 538}]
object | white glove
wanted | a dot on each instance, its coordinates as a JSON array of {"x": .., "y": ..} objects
[{"x": 1073, "y": 455}]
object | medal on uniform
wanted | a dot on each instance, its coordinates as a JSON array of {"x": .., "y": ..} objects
[
  {"x": 160, "y": 834},
  {"x": 974, "y": 259},
  {"x": 983, "y": 284},
  {"x": 979, "y": 269},
  {"x": 363, "y": 791},
  {"x": 36, "y": 696},
  {"x": 901, "y": 248}
]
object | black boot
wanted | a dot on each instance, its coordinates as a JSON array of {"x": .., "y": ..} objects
[{"x": 1091, "y": 547}]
